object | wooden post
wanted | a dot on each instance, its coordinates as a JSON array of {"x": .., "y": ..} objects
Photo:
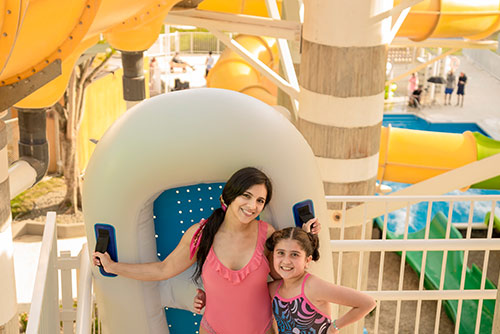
[
  {"x": 9, "y": 322},
  {"x": 342, "y": 76}
]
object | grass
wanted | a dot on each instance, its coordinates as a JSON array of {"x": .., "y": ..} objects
[{"x": 25, "y": 202}]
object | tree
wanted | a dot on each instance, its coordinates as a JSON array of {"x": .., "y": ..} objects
[{"x": 70, "y": 110}]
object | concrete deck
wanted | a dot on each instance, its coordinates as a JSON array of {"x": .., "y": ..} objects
[{"x": 481, "y": 102}]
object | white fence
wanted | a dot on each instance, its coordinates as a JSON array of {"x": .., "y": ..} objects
[
  {"x": 433, "y": 250},
  {"x": 439, "y": 248},
  {"x": 48, "y": 313},
  {"x": 186, "y": 42}
]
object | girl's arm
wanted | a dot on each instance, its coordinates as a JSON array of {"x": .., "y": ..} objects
[
  {"x": 174, "y": 264},
  {"x": 319, "y": 291}
]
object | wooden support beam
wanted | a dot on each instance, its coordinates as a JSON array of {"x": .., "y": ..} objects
[
  {"x": 395, "y": 28},
  {"x": 458, "y": 178},
  {"x": 245, "y": 24},
  {"x": 256, "y": 63},
  {"x": 285, "y": 57},
  {"x": 444, "y": 43},
  {"x": 396, "y": 10}
]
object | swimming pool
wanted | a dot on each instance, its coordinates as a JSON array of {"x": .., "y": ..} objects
[
  {"x": 418, "y": 212},
  {"x": 413, "y": 122}
]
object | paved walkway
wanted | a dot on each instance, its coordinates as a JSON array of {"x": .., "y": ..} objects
[
  {"x": 26, "y": 254},
  {"x": 481, "y": 102}
]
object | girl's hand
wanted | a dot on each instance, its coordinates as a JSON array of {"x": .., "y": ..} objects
[
  {"x": 332, "y": 330},
  {"x": 312, "y": 226},
  {"x": 102, "y": 259},
  {"x": 199, "y": 300}
]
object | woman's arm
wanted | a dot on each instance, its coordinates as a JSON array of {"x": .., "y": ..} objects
[
  {"x": 174, "y": 264},
  {"x": 269, "y": 254},
  {"x": 312, "y": 226},
  {"x": 319, "y": 291}
]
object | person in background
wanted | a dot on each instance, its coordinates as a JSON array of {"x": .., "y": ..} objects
[
  {"x": 462, "y": 80},
  {"x": 450, "y": 85},
  {"x": 209, "y": 63},
  {"x": 415, "y": 97},
  {"x": 412, "y": 83},
  {"x": 176, "y": 61}
]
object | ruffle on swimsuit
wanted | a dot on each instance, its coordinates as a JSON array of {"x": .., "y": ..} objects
[{"x": 236, "y": 276}]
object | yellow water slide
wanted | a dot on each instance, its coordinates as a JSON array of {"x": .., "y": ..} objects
[
  {"x": 38, "y": 34},
  {"x": 233, "y": 72},
  {"x": 412, "y": 156}
]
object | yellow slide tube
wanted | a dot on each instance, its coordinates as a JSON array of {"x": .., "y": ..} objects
[
  {"x": 232, "y": 72},
  {"x": 411, "y": 156},
  {"x": 36, "y": 33},
  {"x": 473, "y": 19}
]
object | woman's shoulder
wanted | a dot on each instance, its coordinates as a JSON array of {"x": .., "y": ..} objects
[{"x": 194, "y": 228}]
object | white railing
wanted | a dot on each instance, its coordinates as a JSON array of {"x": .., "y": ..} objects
[
  {"x": 49, "y": 310},
  {"x": 186, "y": 42},
  {"x": 44, "y": 311},
  {"x": 85, "y": 322},
  {"x": 428, "y": 245}
]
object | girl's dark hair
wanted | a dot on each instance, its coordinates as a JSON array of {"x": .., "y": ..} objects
[
  {"x": 309, "y": 242},
  {"x": 237, "y": 184}
]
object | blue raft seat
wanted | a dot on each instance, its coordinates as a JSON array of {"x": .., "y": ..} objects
[{"x": 176, "y": 210}]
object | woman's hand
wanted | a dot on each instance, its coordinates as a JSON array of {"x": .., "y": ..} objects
[
  {"x": 102, "y": 259},
  {"x": 199, "y": 300},
  {"x": 312, "y": 226}
]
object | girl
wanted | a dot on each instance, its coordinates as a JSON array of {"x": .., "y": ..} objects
[
  {"x": 301, "y": 301},
  {"x": 230, "y": 255}
]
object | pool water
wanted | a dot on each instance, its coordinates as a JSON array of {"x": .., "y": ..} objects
[
  {"x": 418, "y": 212},
  {"x": 414, "y": 122}
]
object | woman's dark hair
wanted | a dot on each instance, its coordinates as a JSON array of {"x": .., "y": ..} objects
[
  {"x": 309, "y": 242},
  {"x": 237, "y": 184}
]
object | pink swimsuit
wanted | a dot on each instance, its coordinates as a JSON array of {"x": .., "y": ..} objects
[{"x": 238, "y": 300}]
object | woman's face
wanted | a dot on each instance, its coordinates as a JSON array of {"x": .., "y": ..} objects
[
  {"x": 248, "y": 205},
  {"x": 290, "y": 260}
]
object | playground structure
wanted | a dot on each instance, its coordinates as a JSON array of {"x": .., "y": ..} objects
[{"x": 134, "y": 26}]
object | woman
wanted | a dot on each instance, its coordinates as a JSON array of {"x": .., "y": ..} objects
[{"x": 228, "y": 249}]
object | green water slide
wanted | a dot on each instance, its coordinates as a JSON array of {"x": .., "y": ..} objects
[
  {"x": 454, "y": 264},
  {"x": 496, "y": 221},
  {"x": 486, "y": 147}
]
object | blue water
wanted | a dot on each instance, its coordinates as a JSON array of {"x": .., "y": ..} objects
[
  {"x": 418, "y": 212},
  {"x": 416, "y": 123}
]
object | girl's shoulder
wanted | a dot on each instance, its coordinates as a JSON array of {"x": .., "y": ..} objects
[{"x": 315, "y": 286}]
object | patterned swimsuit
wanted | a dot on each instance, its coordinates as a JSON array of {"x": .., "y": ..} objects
[{"x": 298, "y": 315}]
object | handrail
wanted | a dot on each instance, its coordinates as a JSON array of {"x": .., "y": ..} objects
[
  {"x": 415, "y": 245},
  {"x": 42, "y": 300},
  {"x": 84, "y": 303},
  {"x": 455, "y": 179}
]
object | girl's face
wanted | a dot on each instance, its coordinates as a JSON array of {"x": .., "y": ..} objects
[
  {"x": 248, "y": 205},
  {"x": 290, "y": 259}
]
